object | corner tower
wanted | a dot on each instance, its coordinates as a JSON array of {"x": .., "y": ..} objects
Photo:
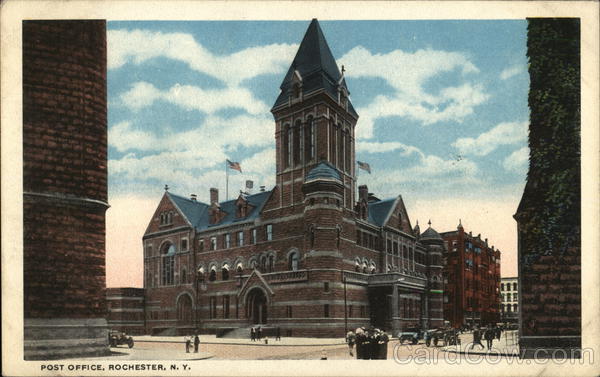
[{"x": 314, "y": 120}]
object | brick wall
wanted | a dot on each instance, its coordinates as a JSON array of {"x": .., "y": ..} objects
[{"x": 64, "y": 184}]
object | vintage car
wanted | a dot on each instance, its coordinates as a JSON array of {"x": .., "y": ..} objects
[
  {"x": 411, "y": 334},
  {"x": 117, "y": 338},
  {"x": 447, "y": 335}
]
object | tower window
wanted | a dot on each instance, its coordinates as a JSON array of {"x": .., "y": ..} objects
[
  {"x": 269, "y": 232},
  {"x": 287, "y": 146},
  {"x": 296, "y": 143},
  {"x": 309, "y": 139}
]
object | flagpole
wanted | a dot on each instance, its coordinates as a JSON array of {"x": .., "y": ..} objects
[{"x": 226, "y": 181}]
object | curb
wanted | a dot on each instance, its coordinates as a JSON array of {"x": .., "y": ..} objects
[
  {"x": 461, "y": 352},
  {"x": 247, "y": 344}
]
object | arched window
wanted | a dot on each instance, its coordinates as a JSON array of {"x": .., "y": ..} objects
[
  {"x": 239, "y": 269},
  {"x": 309, "y": 140},
  {"x": 312, "y": 236},
  {"x": 286, "y": 146},
  {"x": 212, "y": 276},
  {"x": 168, "y": 264},
  {"x": 341, "y": 147},
  {"x": 501, "y": 286},
  {"x": 271, "y": 264},
  {"x": 263, "y": 263},
  {"x": 225, "y": 272},
  {"x": 515, "y": 308},
  {"x": 357, "y": 267},
  {"x": 293, "y": 262},
  {"x": 332, "y": 143},
  {"x": 347, "y": 147},
  {"x": 296, "y": 143},
  {"x": 514, "y": 286}
]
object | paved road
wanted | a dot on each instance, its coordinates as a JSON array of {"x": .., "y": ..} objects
[{"x": 174, "y": 351}]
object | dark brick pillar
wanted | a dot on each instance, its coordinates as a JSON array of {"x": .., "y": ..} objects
[
  {"x": 65, "y": 188},
  {"x": 549, "y": 217}
]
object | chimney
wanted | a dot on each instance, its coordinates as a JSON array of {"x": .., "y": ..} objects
[
  {"x": 214, "y": 196},
  {"x": 193, "y": 197},
  {"x": 363, "y": 192}
]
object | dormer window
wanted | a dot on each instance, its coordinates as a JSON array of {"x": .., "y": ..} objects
[{"x": 296, "y": 90}]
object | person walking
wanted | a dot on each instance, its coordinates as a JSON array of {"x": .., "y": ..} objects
[
  {"x": 253, "y": 334},
  {"x": 188, "y": 344},
  {"x": 259, "y": 333},
  {"x": 350, "y": 339},
  {"x": 498, "y": 332},
  {"x": 476, "y": 338},
  {"x": 277, "y": 333},
  {"x": 196, "y": 343},
  {"x": 489, "y": 336}
]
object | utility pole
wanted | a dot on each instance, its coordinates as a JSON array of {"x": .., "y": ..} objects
[{"x": 345, "y": 304}]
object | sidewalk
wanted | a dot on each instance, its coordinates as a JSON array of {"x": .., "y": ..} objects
[
  {"x": 508, "y": 345},
  {"x": 139, "y": 353},
  {"x": 212, "y": 339}
]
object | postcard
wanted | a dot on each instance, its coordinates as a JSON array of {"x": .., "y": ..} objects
[{"x": 276, "y": 188}]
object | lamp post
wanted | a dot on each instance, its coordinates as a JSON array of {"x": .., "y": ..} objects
[{"x": 345, "y": 303}]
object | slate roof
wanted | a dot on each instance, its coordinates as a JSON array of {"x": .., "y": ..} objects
[
  {"x": 323, "y": 170},
  {"x": 317, "y": 67},
  {"x": 197, "y": 212},
  {"x": 431, "y": 233},
  {"x": 378, "y": 211}
]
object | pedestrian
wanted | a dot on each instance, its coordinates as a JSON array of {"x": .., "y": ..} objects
[
  {"x": 350, "y": 339},
  {"x": 476, "y": 338},
  {"x": 196, "y": 343},
  {"x": 277, "y": 333},
  {"x": 259, "y": 333},
  {"x": 498, "y": 332},
  {"x": 188, "y": 344},
  {"x": 253, "y": 334},
  {"x": 489, "y": 336}
]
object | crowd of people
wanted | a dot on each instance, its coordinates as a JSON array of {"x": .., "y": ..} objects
[
  {"x": 371, "y": 343},
  {"x": 256, "y": 334},
  {"x": 488, "y": 333}
]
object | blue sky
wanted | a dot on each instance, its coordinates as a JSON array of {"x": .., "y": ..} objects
[{"x": 442, "y": 105}]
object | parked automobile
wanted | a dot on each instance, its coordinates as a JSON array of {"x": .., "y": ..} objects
[
  {"x": 411, "y": 334},
  {"x": 117, "y": 338}
]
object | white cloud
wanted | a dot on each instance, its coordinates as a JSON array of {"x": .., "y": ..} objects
[
  {"x": 408, "y": 73},
  {"x": 385, "y": 146},
  {"x": 123, "y": 138},
  {"x": 507, "y": 133},
  {"x": 517, "y": 160},
  {"x": 137, "y": 46},
  {"x": 511, "y": 71},
  {"x": 188, "y": 97}
]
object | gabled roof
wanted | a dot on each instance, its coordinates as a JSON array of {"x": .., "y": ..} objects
[
  {"x": 324, "y": 170},
  {"x": 316, "y": 65},
  {"x": 431, "y": 233},
  {"x": 379, "y": 211},
  {"x": 197, "y": 212}
]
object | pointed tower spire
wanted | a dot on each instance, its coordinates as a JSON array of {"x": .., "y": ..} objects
[{"x": 317, "y": 67}]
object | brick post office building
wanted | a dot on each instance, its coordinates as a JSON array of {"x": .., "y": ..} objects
[
  {"x": 472, "y": 275},
  {"x": 310, "y": 256}
]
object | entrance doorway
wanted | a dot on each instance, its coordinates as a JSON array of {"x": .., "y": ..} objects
[
  {"x": 256, "y": 306},
  {"x": 184, "y": 310}
]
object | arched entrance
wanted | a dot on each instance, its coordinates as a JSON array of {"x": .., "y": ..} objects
[
  {"x": 256, "y": 306},
  {"x": 184, "y": 310}
]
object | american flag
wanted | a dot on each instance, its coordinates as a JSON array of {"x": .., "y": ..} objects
[
  {"x": 234, "y": 165},
  {"x": 364, "y": 166}
]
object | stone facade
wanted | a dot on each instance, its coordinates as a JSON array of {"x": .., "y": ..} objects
[
  {"x": 309, "y": 256},
  {"x": 472, "y": 275},
  {"x": 64, "y": 185},
  {"x": 509, "y": 292},
  {"x": 126, "y": 310}
]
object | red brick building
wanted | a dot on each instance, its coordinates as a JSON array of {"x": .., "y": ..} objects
[
  {"x": 126, "y": 310},
  {"x": 64, "y": 188},
  {"x": 309, "y": 256},
  {"x": 472, "y": 279}
]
